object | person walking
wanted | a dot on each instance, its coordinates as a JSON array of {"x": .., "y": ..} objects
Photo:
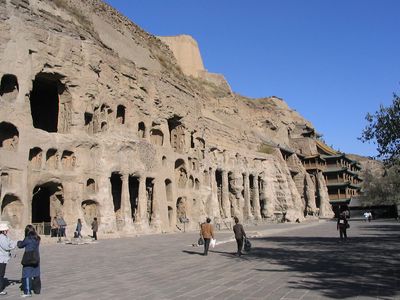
[
  {"x": 342, "y": 225},
  {"x": 95, "y": 227},
  {"x": 54, "y": 227},
  {"x": 61, "y": 227},
  {"x": 207, "y": 233},
  {"x": 6, "y": 245},
  {"x": 78, "y": 229},
  {"x": 30, "y": 262},
  {"x": 240, "y": 235}
]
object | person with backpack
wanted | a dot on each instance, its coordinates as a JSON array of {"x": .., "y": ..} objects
[
  {"x": 342, "y": 225},
  {"x": 30, "y": 262},
  {"x": 6, "y": 245},
  {"x": 240, "y": 235}
]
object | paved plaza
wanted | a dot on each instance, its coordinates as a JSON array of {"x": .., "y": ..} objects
[{"x": 288, "y": 261}]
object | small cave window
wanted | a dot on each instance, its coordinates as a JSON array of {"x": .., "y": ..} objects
[
  {"x": 52, "y": 158},
  {"x": 88, "y": 117},
  {"x": 35, "y": 157},
  {"x": 9, "y": 136},
  {"x": 141, "y": 130},
  {"x": 177, "y": 133},
  {"x": 12, "y": 210},
  {"x": 156, "y": 137},
  {"x": 192, "y": 140},
  {"x": 5, "y": 179},
  {"x": 180, "y": 173},
  {"x": 91, "y": 185},
  {"x": 9, "y": 85},
  {"x": 121, "y": 114},
  {"x": 191, "y": 181},
  {"x": 90, "y": 209},
  {"x": 104, "y": 126},
  {"x": 68, "y": 160}
]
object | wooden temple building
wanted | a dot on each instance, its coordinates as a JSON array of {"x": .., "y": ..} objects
[{"x": 341, "y": 173}]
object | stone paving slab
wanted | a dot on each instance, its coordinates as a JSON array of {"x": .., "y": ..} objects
[{"x": 287, "y": 261}]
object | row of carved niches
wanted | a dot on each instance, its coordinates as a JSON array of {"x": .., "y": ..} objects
[
  {"x": 52, "y": 162},
  {"x": 182, "y": 178},
  {"x": 51, "y": 111},
  {"x": 100, "y": 119},
  {"x": 193, "y": 163},
  {"x": 9, "y": 87},
  {"x": 9, "y": 136}
]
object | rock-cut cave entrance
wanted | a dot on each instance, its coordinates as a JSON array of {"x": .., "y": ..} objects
[
  {"x": 44, "y": 99},
  {"x": 47, "y": 201}
]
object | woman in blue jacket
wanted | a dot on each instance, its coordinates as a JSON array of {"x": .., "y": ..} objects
[{"x": 30, "y": 274}]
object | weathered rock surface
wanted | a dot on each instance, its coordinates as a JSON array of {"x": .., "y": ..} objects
[{"x": 97, "y": 120}]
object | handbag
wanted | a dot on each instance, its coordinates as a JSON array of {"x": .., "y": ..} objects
[
  {"x": 247, "y": 245},
  {"x": 30, "y": 259},
  {"x": 200, "y": 241}
]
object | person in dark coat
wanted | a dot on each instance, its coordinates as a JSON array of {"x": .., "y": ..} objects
[
  {"x": 54, "y": 227},
  {"x": 239, "y": 235},
  {"x": 95, "y": 228},
  {"x": 342, "y": 225},
  {"x": 78, "y": 229},
  {"x": 30, "y": 274}
]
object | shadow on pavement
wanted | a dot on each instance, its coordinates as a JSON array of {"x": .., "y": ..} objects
[
  {"x": 394, "y": 228},
  {"x": 192, "y": 252},
  {"x": 224, "y": 253},
  {"x": 362, "y": 266}
]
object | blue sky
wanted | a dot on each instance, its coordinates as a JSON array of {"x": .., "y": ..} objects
[{"x": 331, "y": 60}]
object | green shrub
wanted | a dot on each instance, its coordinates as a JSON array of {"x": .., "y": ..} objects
[{"x": 265, "y": 148}]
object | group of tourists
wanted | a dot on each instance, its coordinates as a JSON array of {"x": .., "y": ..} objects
[
  {"x": 30, "y": 280},
  {"x": 207, "y": 235},
  {"x": 367, "y": 216},
  {"x": 58, "y": 228},
  {"x": 30, "y": 260}
]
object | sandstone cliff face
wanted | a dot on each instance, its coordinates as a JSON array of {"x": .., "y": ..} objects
[{"x": 97, "y": 120}]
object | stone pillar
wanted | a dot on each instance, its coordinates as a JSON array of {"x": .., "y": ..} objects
[
  {"x": 141, "y": 217},
  {"x": 126, "y": 212},
  {"x": 212, "y": 208},
  {"x": 155, "y": 215},
  {"x": 256, "y": 199},
  {"x": 226, "y": 207},
  {"x": 325, "y": 208},
  {"x": 247, "y": 205}
]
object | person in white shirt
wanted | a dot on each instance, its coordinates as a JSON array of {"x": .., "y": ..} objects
[{"x": 6, "y": 245}]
